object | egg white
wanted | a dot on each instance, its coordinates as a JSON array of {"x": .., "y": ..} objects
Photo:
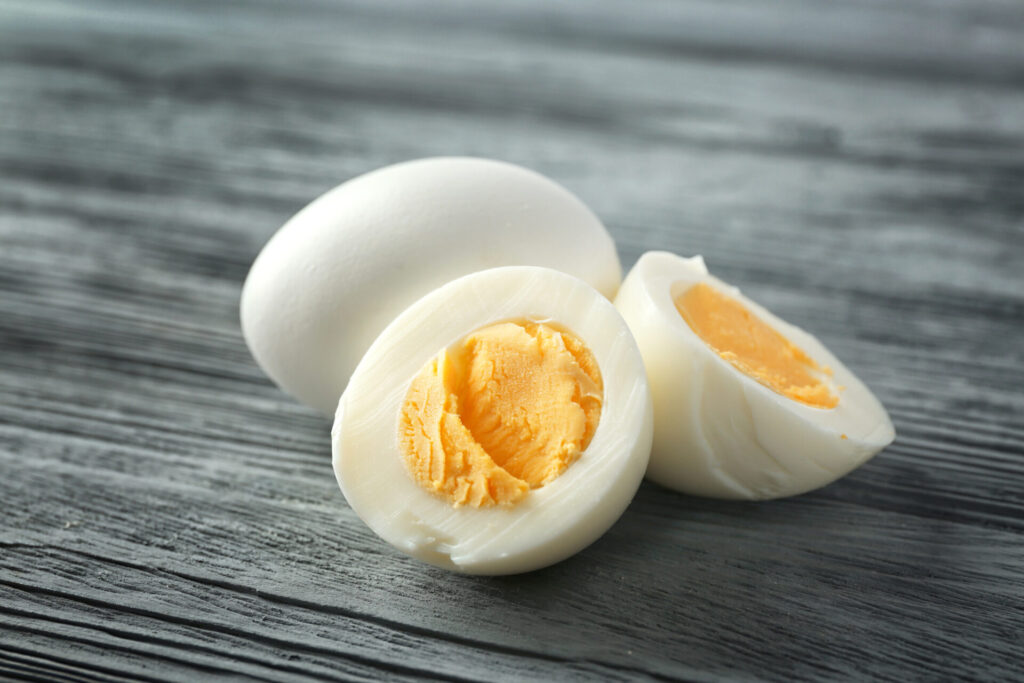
[
  {"x": 719, "y": 432},
  {"x": 341, "y": 269},
  {"x": 552, "y": 522}
]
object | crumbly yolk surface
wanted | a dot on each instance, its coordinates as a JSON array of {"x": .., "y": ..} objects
[
  {"x": 753, "y": 347},
  {"x": 505, "y": 410}
]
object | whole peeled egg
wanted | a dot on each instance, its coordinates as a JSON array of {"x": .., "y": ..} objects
[
  {"x": 746, "y": 405},
  {"x": 340, "y": 270}
]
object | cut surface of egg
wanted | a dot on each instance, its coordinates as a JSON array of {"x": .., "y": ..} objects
[
  {"x": 498, "y": 425},
  {"x": 341, "y": 269},
  {"x": 746, "y": 406}
]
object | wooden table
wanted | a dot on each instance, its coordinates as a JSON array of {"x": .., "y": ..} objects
[{"x": 168, "y": 514}]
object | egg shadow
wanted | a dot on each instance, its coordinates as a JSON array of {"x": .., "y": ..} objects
[
  {"x": 626, "y": 583},
  {"x": 671, "y": 570}
]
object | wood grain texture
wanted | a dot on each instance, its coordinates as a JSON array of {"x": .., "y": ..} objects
[{"x": 169, "y": 514}]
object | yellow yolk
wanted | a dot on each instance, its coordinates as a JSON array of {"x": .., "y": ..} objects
[
  {"x": 753, "y": 347},
  {"x": 505, "y": 411}
]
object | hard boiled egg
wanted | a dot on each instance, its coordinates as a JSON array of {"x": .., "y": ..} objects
[
  {"x": 337, "y": 273},
  {"x": 745, "y": 405},
  {"x": 499, "y": 424}
]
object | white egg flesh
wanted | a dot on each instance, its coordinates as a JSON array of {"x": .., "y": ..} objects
[
  {"x": 341, "y": 269},
  {"x": 500, "y": 424},
  {"x": 746, "y": 406}
]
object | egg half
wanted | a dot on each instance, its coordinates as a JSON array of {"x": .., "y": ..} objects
[
  {"x": 500, "y": 424},
  {"x": 338, "y": 272},
  {"x": 746, "y": 406}
]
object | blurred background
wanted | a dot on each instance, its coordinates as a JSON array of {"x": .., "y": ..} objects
[{"x": 857, "y": 166}]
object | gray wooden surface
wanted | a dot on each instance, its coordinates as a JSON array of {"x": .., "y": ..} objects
[{"x": 167, "y": 514}]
